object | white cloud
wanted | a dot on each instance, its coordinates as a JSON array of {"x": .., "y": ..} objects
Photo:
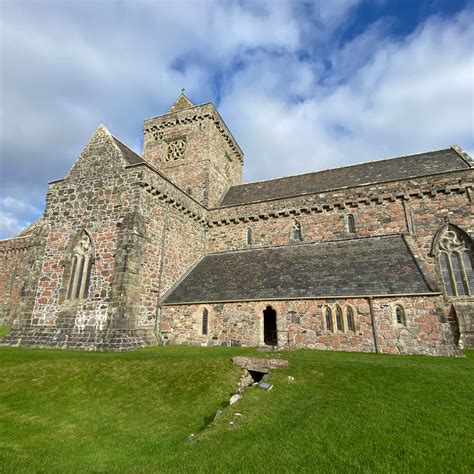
[
  {"x": 15, "y": 215},
  {"x": 10, "y": 224},
  {"x": 20, "y": 207},
  {"x": 407, "y": 96}
]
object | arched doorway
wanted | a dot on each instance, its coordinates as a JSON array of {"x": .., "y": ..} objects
[{"x": 270, "y": 335}]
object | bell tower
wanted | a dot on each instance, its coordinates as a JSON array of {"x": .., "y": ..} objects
[{"x": 193, "y": 147}]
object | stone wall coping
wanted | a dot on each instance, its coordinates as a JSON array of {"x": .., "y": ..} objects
[
  {"x": 463, "y": 154},
  {"x": 179, "y": 203},
  {"x": 165, "y": 178},
  {"x": 16, "y": 244},
  {"x": 29, "y": 236}
]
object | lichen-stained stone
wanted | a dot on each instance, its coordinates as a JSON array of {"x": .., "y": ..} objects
[{"x": 181, "y": 252}]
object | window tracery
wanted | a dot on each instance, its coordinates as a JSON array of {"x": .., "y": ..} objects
[
  {"x": 81, "y": 269},
  {"x": 175, "y": 149},
  {"x": 455, "y": 263}
]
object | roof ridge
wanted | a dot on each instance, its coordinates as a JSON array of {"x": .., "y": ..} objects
[{"x": 343, "y": 167}]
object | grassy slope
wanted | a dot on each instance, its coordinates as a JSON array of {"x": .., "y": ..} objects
[
  {"x": 4, "y": 330},
  {"x": 107, "y": 412}
]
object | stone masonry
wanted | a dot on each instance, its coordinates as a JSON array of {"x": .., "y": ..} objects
[{"x": 172, "y": 248}]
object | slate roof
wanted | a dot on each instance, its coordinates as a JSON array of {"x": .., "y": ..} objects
[
  {"x": 348, "y": 176},
  {"x": 369, "y": 266},
  {"x": 130, "y": 156}
]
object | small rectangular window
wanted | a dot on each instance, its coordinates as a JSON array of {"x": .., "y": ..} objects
[
  {"x": 205, "y": 322},
  {"x": 249, "y": 236},
  {"x": 351, "y": 227}
]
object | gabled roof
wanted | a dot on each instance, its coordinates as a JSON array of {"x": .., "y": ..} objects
[
  {"x": 181, "y": 103},
  {"x": 403, "y": 167},
  {"x": 356, "y": 267}
]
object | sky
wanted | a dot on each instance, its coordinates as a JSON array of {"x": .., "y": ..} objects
[{"x": 302, "y": 85}]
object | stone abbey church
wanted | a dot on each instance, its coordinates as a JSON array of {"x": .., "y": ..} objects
[{"x": 171, "y": 248}]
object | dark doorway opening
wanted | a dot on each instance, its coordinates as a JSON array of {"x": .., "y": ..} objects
[{"x": 270, "y": 327}]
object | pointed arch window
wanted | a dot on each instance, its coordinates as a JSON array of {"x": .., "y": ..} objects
[
  {"x": 350, "y": 318},
  {"x": 296, "y": 231},
  {"x": 339, "y": 319},
  {"x": 81, "y": 269},
  {"x": 205, "y": 321},
  {"x": 328, "y": 318},
  {"x": 455, "y": 262}
]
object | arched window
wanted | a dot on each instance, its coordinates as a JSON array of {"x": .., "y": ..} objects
[
  {"x": 339, "y": 319},
  {"x": 351, "y": 225},
  {"x": 455, "y": 262},
  {"x": 400, "y": 315},
  {"x": 249, "y": 236},
  {"x": 81, "y": 269},
  {"x": 205, "y": 321},
  {"x": 296, "y": 232},
  {"x": 328, "y": 318},
  {"x": 350, "y": 318}
]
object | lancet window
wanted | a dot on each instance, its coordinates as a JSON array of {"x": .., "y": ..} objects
[
  {"x": 350, "y": 318},
  {"x": 249, "y": 236},
  {"x": 343, "y": 320},
  {"x": 297, "y": 233},
  {"x": 205, "y": 321},
  {"x": 455, "y": 263},
  {"x": 328, "y": 317},
  {"x": 400, "y": 315},
  {"x": 351, "y": 226},
  {"x": 81, "y": 269},
  {"x": 339, "y": 318}
]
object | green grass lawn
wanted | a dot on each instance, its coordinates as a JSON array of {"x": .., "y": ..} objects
[{"x": 64, "y": 411}]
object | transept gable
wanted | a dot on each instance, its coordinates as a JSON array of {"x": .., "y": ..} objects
[{"x": 103, "y": 155}]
